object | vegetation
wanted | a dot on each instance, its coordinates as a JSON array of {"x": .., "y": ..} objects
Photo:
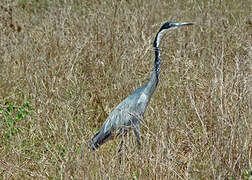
[{"x": 64, "y": 65}]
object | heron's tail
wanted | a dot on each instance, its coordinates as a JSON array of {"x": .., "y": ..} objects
[{"x": 99, "y": 138}]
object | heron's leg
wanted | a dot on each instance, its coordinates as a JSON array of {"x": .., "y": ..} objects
[
  {"x": 119, "y": 151},
  {"x": 137, "y": 134},
  {"x": 124, "y": 133},
  {"x": 120, "y": 147}
]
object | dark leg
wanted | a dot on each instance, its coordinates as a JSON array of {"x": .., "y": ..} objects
[
  {"x": 124, "y": 133},
  {"x": 121, "y": 144},
  {"x": 119, "y": 151},
  {"x": 137, "y": 134}
]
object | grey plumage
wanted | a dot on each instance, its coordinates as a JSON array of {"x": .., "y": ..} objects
[{"x": 129, "y": 113}]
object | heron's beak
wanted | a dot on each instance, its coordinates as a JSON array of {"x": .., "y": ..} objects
[{"x": 182, "y": 24}]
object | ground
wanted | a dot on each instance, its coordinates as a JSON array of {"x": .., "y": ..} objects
[{"x": 64, "y": 65}]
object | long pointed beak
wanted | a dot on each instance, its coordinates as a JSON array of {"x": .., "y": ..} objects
[{"x": 182, "y": 24}]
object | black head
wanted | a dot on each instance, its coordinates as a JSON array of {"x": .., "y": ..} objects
[
  {"x": 168, "y": 26},
  {"x": 173, "y": 25}
]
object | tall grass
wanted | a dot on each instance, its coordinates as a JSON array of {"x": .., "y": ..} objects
[{"x": 64, "y": 65}]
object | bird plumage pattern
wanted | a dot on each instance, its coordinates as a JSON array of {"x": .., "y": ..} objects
[{"x": 129, "y": 113}]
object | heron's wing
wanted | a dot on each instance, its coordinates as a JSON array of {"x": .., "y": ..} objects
[{"x": 124, "y": 113}]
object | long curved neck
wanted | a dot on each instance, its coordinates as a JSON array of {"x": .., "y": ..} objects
[
  {"x": 151, "y": 85},
  {"x": 156, "y": 44},
  {"x": 153, "y": 82},
  {"x": 157, "y": 62}
]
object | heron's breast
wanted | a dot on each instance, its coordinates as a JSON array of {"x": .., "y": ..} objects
[{"x": 142, "y": 98}]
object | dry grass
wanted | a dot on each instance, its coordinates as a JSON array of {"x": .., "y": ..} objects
[{"x": 74, "y": 61}]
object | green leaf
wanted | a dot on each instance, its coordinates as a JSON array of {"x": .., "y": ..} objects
[
  {"x": 26, "y": 104},
  {"x": 7, "y": 134},
  {"x": 25, "y": 113},
  {"x": 10, "y": 121},
  {"x": 7, "y": 101},
  {"x": 10, "y": 108},
  {"x": 19, "y": 116},
  {"x": 7, "y": 114}
]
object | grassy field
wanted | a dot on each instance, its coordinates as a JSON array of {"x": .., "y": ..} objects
[{"x": 65, "y": 65}]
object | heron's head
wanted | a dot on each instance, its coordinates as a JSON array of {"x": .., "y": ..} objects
[
  {"x": 168, "y": 26},
  {"x": 174, "y": 25}
]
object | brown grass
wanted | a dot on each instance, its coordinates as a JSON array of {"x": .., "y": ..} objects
[{"x": 74, "y": 62}]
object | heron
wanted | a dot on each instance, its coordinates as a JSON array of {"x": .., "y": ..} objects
[{"x": 129, "y": 113}]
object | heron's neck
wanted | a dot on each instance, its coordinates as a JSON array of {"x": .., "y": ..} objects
[
  {"x": 156, "y": 71},
  {"x": 157, "y": 62},
  {"x": 153, "y": 82},
  {"x": 151, "y": 85}
]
